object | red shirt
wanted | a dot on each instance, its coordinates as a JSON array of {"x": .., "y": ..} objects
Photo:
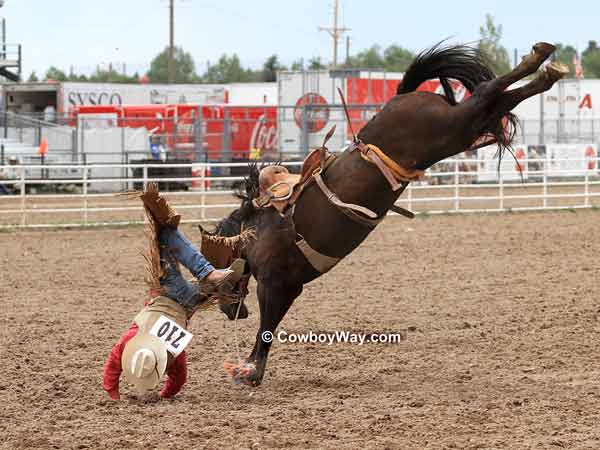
[{"x": 176, "y": 371}]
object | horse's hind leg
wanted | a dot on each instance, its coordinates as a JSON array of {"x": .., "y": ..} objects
[
  {"x": 530, "y": 64},
  {"x": 544, "y": 81},
  {"x": 477, "y": 109}
]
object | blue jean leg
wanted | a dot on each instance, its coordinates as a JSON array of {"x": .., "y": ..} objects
[{"x": 176, "y": 248}]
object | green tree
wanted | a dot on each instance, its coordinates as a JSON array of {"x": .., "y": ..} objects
[
  {"x": 490, "y": 46},
  {"x": 315, "y": 63},
  {"x": 184, "y": 67},
  {"x": 228, "y": 69},
  {"x": 271, "y": 67},
  {"x": 370, "y": 58},
  {"x": 55, "y": 74},
  {"x": 590, "y": 60},
  {"x": 564, "y": 54},
  {"x": 298, "y": 64},
  {"x": 33, "y": 77},
  {"x": 109, "y": 75},
  {"x": 397, "y": 59}
]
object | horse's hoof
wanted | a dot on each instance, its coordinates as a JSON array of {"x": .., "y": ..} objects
[
  {"x": 544, "y": 49},
  {"x": 242, "y": 373},
  {"x": 556, "y": 70}
]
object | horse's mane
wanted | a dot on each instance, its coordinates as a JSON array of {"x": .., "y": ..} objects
[
  {"x": 467, "y": 65},
  {"x": 245, "y": 190}
]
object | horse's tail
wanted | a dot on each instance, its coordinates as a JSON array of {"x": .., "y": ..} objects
[
  {"x": 467, "y": 65},
  {"x": 458, "y": 62}
]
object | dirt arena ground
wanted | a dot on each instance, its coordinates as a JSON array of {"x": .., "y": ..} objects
[{"x": 501, "y": 352}]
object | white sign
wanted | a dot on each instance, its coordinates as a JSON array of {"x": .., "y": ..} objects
[
  {"x": 175, "y": 337},
  {"x": 571, "y": 160},
  {"x": 510, "y": 170}
]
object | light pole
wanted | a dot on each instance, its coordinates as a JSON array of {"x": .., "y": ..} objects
[{"x": 171, "y": 41}]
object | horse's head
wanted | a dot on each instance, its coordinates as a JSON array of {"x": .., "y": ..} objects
[{"x": 232, "y": 225}]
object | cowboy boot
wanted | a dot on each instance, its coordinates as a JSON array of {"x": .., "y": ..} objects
[
  {"x": 159, "y": 207},
  {"x": 225, "y": 289}
]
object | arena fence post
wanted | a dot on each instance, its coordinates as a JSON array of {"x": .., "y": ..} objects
[
  {"x": 456, "y": 186},
  {"x": 23, "y": 199},
  {"x": 202, "y": 190},
  {"x": 586, "y": 187},
  {"x": 145, "y": 175},
  {"x": 501, "y": 190},
  {"x": 545, "y": 184},
  {"x": 85, "y": 197}
]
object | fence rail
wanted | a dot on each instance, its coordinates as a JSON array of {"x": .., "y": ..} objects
[{"x": 209, "y": 197}]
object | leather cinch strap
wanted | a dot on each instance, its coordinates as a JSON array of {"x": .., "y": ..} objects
[
  {"x": 357, "y": 213},
  {"x": 333, "y": 198},
  {"x": 395, "y": 174}
]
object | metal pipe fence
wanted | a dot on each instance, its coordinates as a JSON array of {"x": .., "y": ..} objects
[
  {"x": 450, "y": 187},
  {"x": 226, "y": 133}
]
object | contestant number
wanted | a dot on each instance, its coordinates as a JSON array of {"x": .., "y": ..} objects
[{"x": 175, "y": 337}]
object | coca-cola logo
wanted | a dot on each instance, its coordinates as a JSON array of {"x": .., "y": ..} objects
[
  {"x": 263, "y": 137},
  {"x": 311, "y": 111},
  {"x": 94, "y": 98}
]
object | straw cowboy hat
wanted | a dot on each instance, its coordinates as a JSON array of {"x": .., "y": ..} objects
[{"x": 144, "y": 361}]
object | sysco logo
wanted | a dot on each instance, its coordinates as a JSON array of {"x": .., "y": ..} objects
[{"x": 94, "y": 98}]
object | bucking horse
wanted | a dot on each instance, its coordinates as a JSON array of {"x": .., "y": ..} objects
[{"x": 305, "y": 224}]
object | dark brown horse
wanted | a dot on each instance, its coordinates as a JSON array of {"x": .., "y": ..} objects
[{"x": 415, "y": 130}]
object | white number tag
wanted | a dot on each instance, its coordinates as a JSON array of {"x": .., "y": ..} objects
[{"x": 173, "y": 336}]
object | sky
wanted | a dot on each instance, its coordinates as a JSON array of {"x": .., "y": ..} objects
[{"x": 86, "y": 33}]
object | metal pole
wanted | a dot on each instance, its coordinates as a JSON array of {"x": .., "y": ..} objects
[
  {"x": 587, "y": 187},
  {"x": 456, "y": 189},
  {"x": 226, "y": 152},
  {"x": 85, "y": 197},
  {"x": 145, "y": 172},
  {"x": 304, "y": 130},
  {"x": 335, "y": 33},
  {"x": 198, "y": 140},
  {"x": 205, "y": 167},
  {"x": 123, "y": 159},
  {"x": 545, "y": 184},
  {"x": 3, "y": 38},
  {"x": 82, "y": 130},
  {"x": 19, "y": 62},
  {"x": 501, "y": 191},
  {"x": 347, "y": 49},
  {"x": 172, "y": 41},
  {"x": 23, "y": 196},
  {"x": 541, "y": 138}
]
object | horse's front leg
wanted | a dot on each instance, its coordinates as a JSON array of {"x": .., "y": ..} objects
[{"x": 274, "y": 301}]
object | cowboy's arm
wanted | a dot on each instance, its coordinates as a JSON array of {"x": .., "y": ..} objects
[
  {"x": 176, "y": 376},
  {"x": 112, "y": 368}
]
